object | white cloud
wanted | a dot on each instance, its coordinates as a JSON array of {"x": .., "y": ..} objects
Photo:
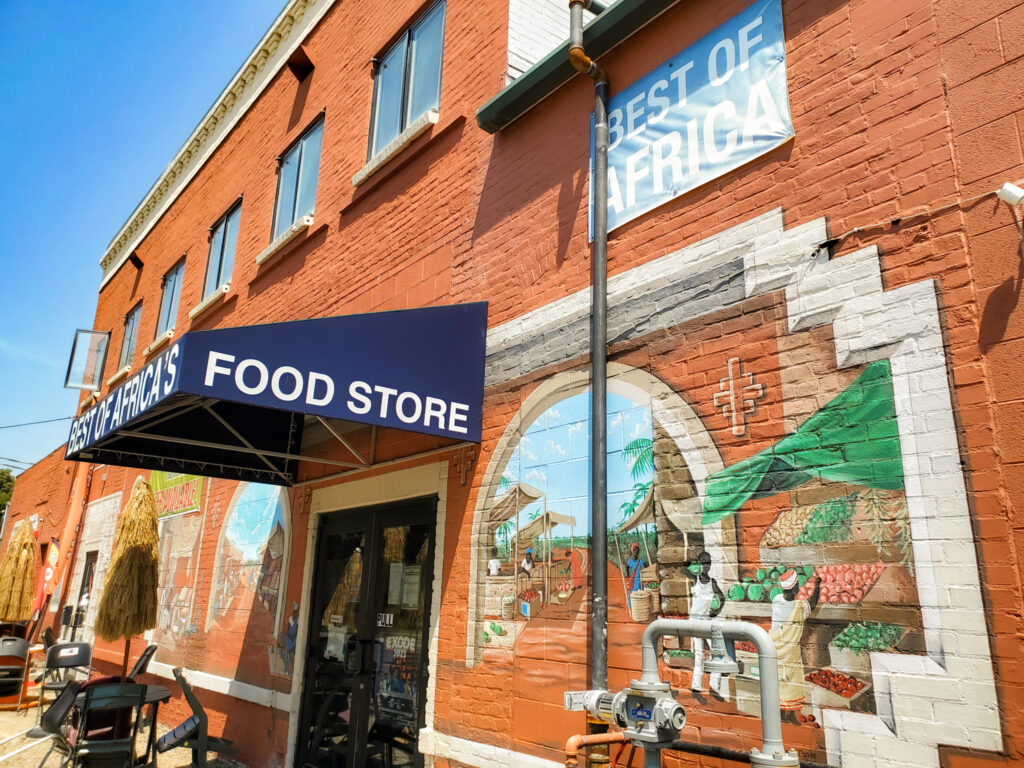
[
  {"x": 617, "y": 419},
  {"x": 537, "y": 476},
  {"x": 579, "y": 426},
  {"x": 556, "y": 449}
]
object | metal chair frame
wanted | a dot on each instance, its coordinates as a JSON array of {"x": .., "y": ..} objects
[
  {"x": 108, "y": 697},
  {"x": 66, "y": 657}
]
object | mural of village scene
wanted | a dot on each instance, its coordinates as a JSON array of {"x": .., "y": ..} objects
[
  {"x": 538, "y": 526},
  {"x": 821, "y": 554},
  {"x": 178, "y": 501},
  {"x": 246, "y": 598}
]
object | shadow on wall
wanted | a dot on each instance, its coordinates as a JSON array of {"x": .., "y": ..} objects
[{"x": 1001, "y": 303}]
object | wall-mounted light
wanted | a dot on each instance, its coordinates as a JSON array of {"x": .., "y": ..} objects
[
  {"x": 135, "y": 260},
  {"x": 1010, "y": 193}
]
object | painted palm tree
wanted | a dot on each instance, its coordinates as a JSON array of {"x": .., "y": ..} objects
[{"x": 641, "y": 453}]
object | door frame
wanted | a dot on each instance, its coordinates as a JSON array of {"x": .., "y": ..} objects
[{"x": 400, "y": 485}]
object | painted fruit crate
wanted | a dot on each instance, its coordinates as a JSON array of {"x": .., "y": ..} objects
[
  {"x": 823, "y": 697},
  {"x": 748, "y": 695},
  {"x": 849, "y": 661},
  {"x": 529, "y": 608}
]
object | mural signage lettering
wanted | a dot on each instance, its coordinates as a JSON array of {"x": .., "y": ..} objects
[
  {"x": 156, "y": 381},
  {"x": 711, "y": 108},
  {"x": 176, "y": 493}
]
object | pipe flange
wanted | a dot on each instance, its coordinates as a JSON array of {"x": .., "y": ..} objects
[
  {"x": 777, "y": 759},
  {"x": 654, "y": 687}
]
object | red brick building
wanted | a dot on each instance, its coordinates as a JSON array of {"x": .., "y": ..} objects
[{"x": 814, "y": 373}]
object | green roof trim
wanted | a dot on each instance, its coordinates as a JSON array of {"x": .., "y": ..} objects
[{"x": 622, "y": 19}]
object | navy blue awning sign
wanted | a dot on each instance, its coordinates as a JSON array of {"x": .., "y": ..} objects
[{"x": 416, "y": 370}]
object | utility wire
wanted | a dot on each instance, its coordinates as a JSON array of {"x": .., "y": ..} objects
[
  {"x": 33, "y": 423},
  {"x": 15, "y": 461}
]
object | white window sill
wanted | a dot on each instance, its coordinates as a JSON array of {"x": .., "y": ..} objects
[
  {"x": 158, "y": 342},
  {"x": 296, "y": 229},
  {"x": 209, "y": 301},
  {"x": 397, "y": 144},
  {"x": 118, "y": 375}
]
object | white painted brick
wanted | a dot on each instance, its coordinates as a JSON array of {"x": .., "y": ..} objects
[{"x": 935, "y": 688}]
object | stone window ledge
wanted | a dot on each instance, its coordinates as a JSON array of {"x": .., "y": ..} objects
[
  {"x": 400, "y": 142},
  {"x": 216, "y": 296},
  {"x": 301, "y": 225}
]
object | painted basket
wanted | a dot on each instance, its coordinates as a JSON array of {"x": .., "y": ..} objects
[{"x": 640, "y": 605}]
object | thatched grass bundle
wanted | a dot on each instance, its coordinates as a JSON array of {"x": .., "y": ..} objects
[
  {"x": 346, "y": 595},
  {"x": 129, "y": 600},
  {"x": 18, "y": 575},
  {"x": 394, "y": 544}
]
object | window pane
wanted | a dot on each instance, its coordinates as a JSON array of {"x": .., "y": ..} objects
[
  {"x": 388, "y": 109},
  {"x": 308, "y": 172},
  {"x": 227, "y": 262},
  {"x": 427, "y": 42},
  {"x": 212, "y": 280},
  {"x": 169, "y": 300},
  {"x": 131, "y": 326},
  {"x": 286, "y": 181}
]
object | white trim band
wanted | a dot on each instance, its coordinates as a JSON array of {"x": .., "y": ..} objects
[{"x": 296, "y": 229}]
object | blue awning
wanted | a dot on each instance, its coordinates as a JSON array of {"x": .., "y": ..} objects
[{"x": 234, "y": 402}]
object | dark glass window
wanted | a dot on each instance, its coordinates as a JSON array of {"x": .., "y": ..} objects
[
  {"x": 408, "y": 79},
  {"x": 169, "y": 298},
  {"x": 296, "y": 179},
  {"x": 223, "y": 238},
  {"x": 131, "y": 333}
]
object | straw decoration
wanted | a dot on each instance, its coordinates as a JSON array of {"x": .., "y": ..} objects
[
  {"x": 18, "y": 575},
  {"x": 394, "y": 544},
  {"x": 128, "y": 604},
  {"x": 346, "y": 594}
]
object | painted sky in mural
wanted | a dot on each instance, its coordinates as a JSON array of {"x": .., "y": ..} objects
[{"x": 553, "y": 456}]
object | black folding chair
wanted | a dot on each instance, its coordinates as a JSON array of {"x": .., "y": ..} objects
[
  {"x": 142, "y": 664},
  {"x": 108, "y": 723},
  {"x": 14, "y": 669},
  {"x": 192, "y": 734},
  {"x": 63, "y": 661},
  {"x": 53, "y": 723}
]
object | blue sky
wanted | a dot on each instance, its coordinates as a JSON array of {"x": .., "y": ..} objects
[{"x": 97, "y": 98}]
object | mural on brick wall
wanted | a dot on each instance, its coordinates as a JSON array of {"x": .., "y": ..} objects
[
  {"x": 179, "y": 501},
  {"x": 539, "y": 524},
  {"x": 798, "y": 468},
  {"x": 246, "y": 603}
]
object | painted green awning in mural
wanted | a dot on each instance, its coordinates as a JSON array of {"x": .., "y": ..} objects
[{"x": 854, "y": 439}]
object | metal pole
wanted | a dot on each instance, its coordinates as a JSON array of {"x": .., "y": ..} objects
[{"x": 599, "y": 388}]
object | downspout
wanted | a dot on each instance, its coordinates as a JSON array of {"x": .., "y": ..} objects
[
  {"x": 598, "y": 350},
  {"x": 69, "y": 536}
]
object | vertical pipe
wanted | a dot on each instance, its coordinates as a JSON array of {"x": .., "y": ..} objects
[{"x": 599, "y": 388}]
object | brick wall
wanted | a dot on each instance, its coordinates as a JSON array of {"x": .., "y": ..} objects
[{"x": 898, "y": 109}]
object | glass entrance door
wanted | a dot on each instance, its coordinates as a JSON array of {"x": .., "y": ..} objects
[{"x": 366, "y": 665}]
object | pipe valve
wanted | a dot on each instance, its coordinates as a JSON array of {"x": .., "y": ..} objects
[{"x": 647, "y": 713}]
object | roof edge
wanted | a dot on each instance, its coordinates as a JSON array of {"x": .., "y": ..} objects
[
  {"x": 608, "y": 29},
  {"x": 287, "y": 32}
]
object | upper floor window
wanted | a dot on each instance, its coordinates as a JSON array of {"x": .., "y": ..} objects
[
  {"x": 169, "y": 298},
  {"x": 223, "y": 238},
  {"x": 131, "y": 332},
  {"x": 407, "y": 82},
  {"x": 296, "y": 179}
]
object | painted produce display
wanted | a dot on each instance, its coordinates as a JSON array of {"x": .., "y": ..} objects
[
  {"x": 869, "y": 636},
  {"x": 846, "y": 583},
  {"x": 846, "y": 686}
]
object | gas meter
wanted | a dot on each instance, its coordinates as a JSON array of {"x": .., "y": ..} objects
[{"x": 646, "y": 712}]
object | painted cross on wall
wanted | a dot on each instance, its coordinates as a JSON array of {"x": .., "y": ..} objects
[{"x": 738, "y": 396}]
